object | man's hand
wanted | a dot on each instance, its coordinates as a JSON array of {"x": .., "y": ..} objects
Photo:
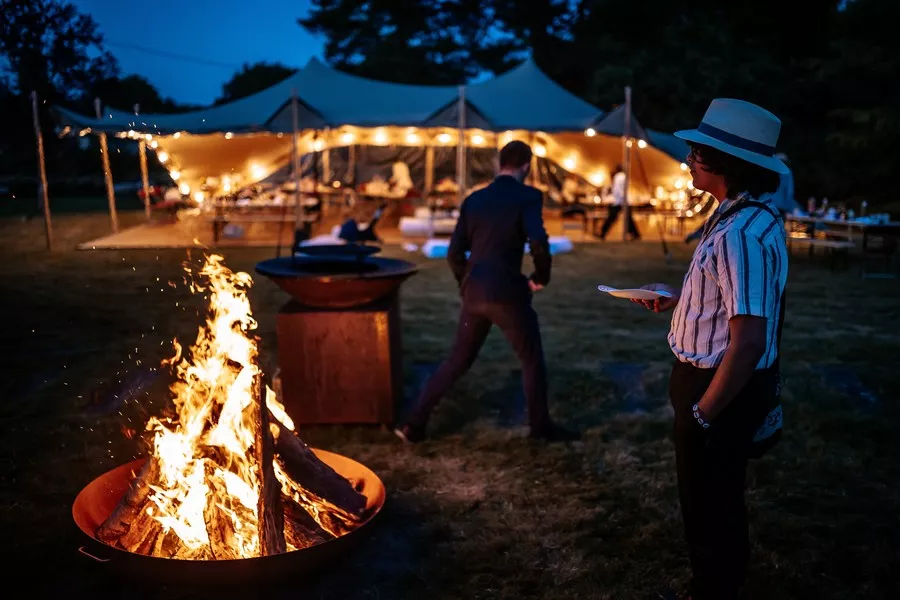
[
  {"x": 660, "y": 304},
  {"x": 534, "y": 287}
]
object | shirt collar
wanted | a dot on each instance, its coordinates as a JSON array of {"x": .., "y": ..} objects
[{"x": 729, "y": 202}]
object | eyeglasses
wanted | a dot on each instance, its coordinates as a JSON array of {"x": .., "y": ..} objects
[{"x": 694, "y": 157}]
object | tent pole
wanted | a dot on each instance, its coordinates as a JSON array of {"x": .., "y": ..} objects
[
  {"x": 626, "y": 210},
  {"x": 107, "y": 173},
  {"x": 295, "y": 174},
  {"x": 145, "y": 177},
  {"x": 533, "y": 174},
  {"x": 351, "y": 165},
  {"x": 42, "y": 169},
  {"x": 326, "y": 159},
  {"x": 461, "y": 144},
  {"x": 429, "y": 168}
]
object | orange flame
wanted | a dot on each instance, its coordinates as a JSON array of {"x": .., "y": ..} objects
[{"x": 205, "y": 450}]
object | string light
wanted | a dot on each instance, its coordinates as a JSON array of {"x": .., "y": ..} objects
[
  {"x": 444, "y": 138},
  {"x": 477, "y": 139},
  {"x": 590, "y": 132},
  {"x": 380, "y": 137},
  {"x": 347, "y": 138},
  {"x": 228, "y": 135},
  {"x": 163, "y": 156},
  {"x": 540, "y": 150},
  {"x": 642, "y": 144},
  {"x": 569, "y": 163},
  {"x": 175, "y": 174},
  {"x": 185, "y": 189}
]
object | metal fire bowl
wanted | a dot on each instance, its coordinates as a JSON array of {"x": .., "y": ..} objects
[
  {"x": 99, "y": 499},
  {"x": 337, "y": 281}
]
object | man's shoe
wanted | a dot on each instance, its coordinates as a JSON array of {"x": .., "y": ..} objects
[
  {"x": 554, "y": 433},
  {"x": 410, "y": 434}
]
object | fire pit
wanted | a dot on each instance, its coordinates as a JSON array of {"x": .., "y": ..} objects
[
  {"x": 339, "y": 342},
  {"x": 229, "y": 491},
  {"x": 96, "y": 502},
  {"x": 342, "y": 276}
]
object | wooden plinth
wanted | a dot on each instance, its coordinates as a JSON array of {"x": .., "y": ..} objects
[{"x": 341, "y": 366}]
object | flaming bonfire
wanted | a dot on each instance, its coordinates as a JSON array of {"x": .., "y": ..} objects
[{"x": 227, "y": 477}]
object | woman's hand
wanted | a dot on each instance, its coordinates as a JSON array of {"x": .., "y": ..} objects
[{"x": 660, "y": 304}]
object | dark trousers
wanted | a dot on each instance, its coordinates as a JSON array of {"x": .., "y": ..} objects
[
  {"x": 519, "y": 323},
  {"x": 712, "y": 465},
  {"x": 611, "y": 217}
]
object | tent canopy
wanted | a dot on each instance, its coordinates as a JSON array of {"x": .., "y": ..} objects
[{"x": 522, "y": 98}]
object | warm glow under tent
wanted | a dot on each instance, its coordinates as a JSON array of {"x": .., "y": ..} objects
[{"x": 249, "y": 139}]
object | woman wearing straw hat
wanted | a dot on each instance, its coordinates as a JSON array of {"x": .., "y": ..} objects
[{"x": 725, "y": 335}]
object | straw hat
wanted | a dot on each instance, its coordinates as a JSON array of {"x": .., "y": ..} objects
[{"x": 740, "y": 129}]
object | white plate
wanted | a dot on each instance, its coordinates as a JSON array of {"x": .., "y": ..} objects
[{"x": 634, "y": 294}]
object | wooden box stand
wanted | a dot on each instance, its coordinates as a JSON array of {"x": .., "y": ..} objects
[{"x": 341, "y": 365}]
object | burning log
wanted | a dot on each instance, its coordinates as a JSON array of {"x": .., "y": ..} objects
[
  {"x": 219, "y": 526},
  {"x": 300, "y": 529},
  {"x": 133, "y": 505},
  {"x": 302, "y": 466},
  {"x": 269, "y": 511}
]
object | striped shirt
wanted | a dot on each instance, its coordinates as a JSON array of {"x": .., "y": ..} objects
[{"x": 739, "y": 268}]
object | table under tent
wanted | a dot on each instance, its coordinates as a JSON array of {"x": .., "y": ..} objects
[{"x": 323, "y": 146}]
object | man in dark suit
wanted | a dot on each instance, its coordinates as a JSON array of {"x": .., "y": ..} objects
[{"x": 486, "y": 254}]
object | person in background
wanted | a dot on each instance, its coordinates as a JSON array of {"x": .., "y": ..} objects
[
  {"x": 783, "y": 197},
  {"x": 725, "y": 334},
  {"x": 485, "y": 254},
  {"x": 619, "y": 181}
]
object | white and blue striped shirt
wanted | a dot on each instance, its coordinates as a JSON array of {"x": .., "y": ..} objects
[{"x": 739, "y": 268}]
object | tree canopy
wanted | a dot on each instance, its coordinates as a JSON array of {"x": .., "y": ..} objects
[{"x": 253, "y": 78}]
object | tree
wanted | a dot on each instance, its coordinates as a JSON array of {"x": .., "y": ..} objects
[
  {"x": 856, "y": 75},
  {"x": 48, "y": 47},
  {"x": 124, "y": 92},
  {"x": 252, "y": 79},
  {"x": 51, "y": 48},
  {"x": 435, "y": 42}
]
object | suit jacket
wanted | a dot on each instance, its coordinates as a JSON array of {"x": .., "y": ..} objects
[{"x": 494, "y": 225}]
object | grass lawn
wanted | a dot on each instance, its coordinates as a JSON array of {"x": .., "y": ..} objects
[{"x": 478, "y": 511}]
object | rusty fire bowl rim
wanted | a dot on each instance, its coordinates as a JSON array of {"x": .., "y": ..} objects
[
  {"x": 88, "y": 517},
  {"x": 281, "y": 268}
]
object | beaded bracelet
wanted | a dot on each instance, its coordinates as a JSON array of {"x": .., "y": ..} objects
[{"x": 698, "y": 415}]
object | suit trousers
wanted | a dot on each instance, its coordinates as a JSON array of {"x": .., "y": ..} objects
[
  {"x": 611, "y": 218},
  {"x": 519, "y": 323},
  {"x": 712, "y": 465}
]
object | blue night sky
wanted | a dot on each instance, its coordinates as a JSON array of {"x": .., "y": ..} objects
[{"x": 214, "y": 38}]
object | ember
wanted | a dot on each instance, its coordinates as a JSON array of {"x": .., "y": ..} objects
[{"x": 227, "y": 477}]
